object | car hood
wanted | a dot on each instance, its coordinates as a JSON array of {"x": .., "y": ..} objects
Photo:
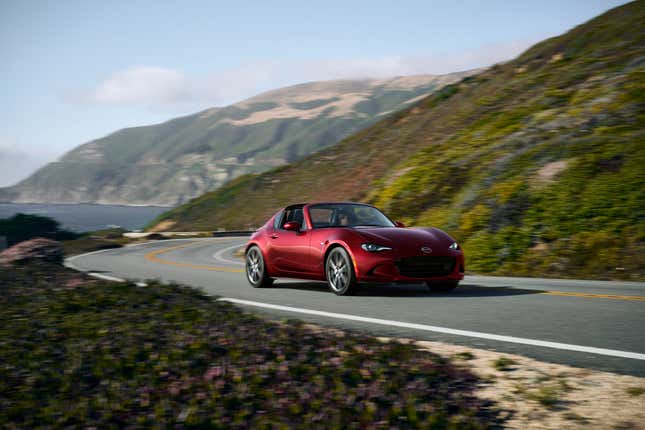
[{"x": 407, "y": 237}]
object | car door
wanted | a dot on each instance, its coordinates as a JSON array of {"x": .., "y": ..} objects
[
  {"x": 319, "y": 239},
  {"x": 289, "y": 250}
]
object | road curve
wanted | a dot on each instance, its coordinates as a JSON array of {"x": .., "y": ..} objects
[{"x": 590, "y": 324}]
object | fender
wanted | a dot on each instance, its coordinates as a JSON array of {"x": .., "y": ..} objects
[{"x": 347, "y": 248}]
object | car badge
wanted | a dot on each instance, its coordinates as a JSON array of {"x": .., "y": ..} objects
[{"x": 426, "y": 250}]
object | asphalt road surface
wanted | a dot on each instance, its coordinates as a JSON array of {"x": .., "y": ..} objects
[{"x": 594, "y": 324}]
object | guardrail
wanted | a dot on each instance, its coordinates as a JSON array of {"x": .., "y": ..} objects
[
  {"x": 169, "y": 234},
  {"x": 233, "y": 233},
  {"x": 144, "y": 234}
]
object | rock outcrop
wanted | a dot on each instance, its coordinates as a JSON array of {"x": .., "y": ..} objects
[{"x": 38, "y": 249}]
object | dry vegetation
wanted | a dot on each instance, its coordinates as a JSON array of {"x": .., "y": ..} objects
[{"x": 536, "y": 395}]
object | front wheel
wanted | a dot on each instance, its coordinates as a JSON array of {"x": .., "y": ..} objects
[
  {"x": 341, "y": 278},
  {"x": 442, "y": 286},
  {"x": 256, "y": 272}
]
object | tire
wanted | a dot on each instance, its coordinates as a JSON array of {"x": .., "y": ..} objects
[
  {"x": 340, "y": 274},
  {"x": 256, "y": 272},
  {"x": 442, "y": 286}
]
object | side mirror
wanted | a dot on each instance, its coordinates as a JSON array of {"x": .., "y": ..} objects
[
  {"x": 292, "y": 226},
  {"x": 399, "y": 224}
]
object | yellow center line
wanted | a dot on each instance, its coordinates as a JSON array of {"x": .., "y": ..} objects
[
  {"x": 593, "y": 296},
  {"x": 154, "y": 257}
]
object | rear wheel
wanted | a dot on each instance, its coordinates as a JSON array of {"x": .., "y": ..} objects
[
  {"x": 442, "y": 286},
  {"x": 341, "y": 278},
  {"x": 256, "y": 272}
]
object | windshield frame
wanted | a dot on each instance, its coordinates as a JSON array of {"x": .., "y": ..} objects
[{"x": 318, "y": 205}]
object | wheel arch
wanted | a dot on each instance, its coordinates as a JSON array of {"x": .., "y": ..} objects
[
  {"x": 343, "y": 245},
  {"x": 264, "y": 257},
  {"x": 250, "y": 244}
]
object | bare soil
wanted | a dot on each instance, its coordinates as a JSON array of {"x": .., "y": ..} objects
[{"x": 539, "y": 395}]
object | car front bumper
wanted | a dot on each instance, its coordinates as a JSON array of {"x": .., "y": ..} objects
[{"x": 381, "y": 267}]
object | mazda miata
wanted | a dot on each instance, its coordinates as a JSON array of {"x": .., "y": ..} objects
[{"x": 349, "y": 244}]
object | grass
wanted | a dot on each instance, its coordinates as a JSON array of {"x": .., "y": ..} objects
[
  {"x": 572, "y": 416},
  {"x": 548, "y": 392},
  {"x": 635, "y": 391},
  {"x": 468, "y": 158},
  {"x": 78, "y": 352},
  {"x": 465, "y": 355},
  {"x": 548, "y": 395},
  {"x": 503, "y": 364}
]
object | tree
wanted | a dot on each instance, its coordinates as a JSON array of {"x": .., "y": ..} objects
[{"x": 21, "y": 227}]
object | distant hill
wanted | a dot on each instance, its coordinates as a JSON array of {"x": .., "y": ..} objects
[
  {"x": 535, "y": 165},
  {"x": 169, "y": 163}
]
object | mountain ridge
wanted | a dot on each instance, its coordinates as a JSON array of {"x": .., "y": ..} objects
[{"x": 167, "y": 163}]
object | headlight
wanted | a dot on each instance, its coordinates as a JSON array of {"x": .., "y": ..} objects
[
  {"x": 372, "y": 247},
  {"x": 454, "y": 246}
]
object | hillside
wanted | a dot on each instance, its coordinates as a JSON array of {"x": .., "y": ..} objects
[
  {"x": 169, "y": 163},
  {"x": 535, "y": 165}
]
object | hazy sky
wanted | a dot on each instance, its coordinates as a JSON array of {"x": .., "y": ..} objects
[{"x": 73, "y": 71}]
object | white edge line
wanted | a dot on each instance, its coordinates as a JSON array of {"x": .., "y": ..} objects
[
  {"x": 218, "y": 255},
  {"x": 476, "y": 334},
  {"x": 437, "y": 329},
  {"x": 132, "y": 245},
  {"x": 68, "y": 261},
  {"x": 106, "y": 277}
]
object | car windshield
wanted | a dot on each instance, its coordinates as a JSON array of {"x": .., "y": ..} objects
[{"x": 347, "y": 215}]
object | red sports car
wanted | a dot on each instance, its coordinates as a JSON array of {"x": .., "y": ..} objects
[{"x": 347, "y": 244}]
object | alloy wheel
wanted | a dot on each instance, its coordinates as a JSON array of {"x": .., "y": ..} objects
[
  {"x": 340, "y": 273},
  {"x": 254, "y": 266}
]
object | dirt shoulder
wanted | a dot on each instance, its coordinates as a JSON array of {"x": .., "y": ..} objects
[{"x": 539, "y": 395}]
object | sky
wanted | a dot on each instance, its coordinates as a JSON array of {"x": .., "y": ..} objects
[{"x": 73, "y": 71}]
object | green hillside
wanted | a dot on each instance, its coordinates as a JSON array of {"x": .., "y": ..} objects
[
  {"x": 169, "y": 163},
  {"x": 535, "y": 165}
]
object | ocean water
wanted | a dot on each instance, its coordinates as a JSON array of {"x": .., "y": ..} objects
[{"x": 87, "y": 217}]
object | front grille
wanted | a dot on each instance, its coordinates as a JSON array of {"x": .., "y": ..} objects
[{"x": 426, "y": 267}]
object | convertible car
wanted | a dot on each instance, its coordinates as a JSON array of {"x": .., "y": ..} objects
[{"x": 348, "y": 244}]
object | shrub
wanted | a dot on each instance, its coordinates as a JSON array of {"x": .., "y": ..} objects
[
  {"x": 86, "y": 353},
  {"x": 156, "y": 236},
  {"x": 23, "y": 227},
  {"x": 503, "y": 364}
]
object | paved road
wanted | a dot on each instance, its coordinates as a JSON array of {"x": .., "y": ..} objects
[{"x": 599, "y": 325}]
